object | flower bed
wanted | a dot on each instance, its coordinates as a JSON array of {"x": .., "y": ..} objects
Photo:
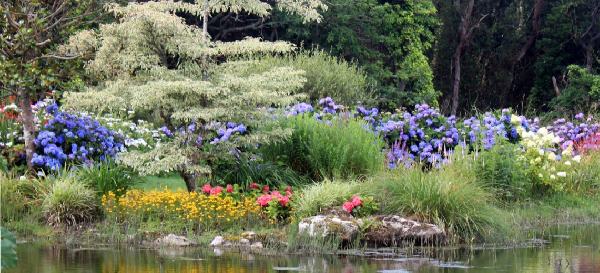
[{"x": 206, "y": 211}]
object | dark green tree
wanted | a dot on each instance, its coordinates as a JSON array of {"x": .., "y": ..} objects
[
  {"x": 570, "y": 35},
  {"x": 391, "y": 40}
]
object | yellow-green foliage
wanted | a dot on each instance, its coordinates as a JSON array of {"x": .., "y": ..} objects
[
  {"x": 151, "y": 62},
  {"x": 327, "y": 76}
]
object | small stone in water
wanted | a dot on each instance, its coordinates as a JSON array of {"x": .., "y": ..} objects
[{"x": 217, "y": 241}]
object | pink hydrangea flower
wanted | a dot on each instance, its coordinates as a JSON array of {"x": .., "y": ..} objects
[
  {"x": 229, "y": 188},
  {"x": 265, "y": 188},
  {"x": 348, "y": 207},
  {"x": 206, "y": 188},
  {"x": 264, "y": 200},
  {"x": 284, "y": 200},
  {"x": 216, "y": 190},
  {"x": 253, "y": 186}
]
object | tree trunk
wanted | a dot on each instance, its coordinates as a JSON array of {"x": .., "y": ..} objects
[
  {"x": 536, "y": 27},
  {"x": 28, "y": 127},
  {"x": 205, "y": 19},
  {"x": 465, "y": 31},
  {"x": 456, "y": 79},
  {"x": 589, "y": 56},
  {"x": 190, "y": 180}
]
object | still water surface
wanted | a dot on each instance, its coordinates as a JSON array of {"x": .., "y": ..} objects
[{"x": 570, "y": 249}]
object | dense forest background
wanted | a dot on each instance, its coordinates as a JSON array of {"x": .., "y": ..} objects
[
  {"x": 535, "y": 56},
  {"x": 464, "y": 54}
]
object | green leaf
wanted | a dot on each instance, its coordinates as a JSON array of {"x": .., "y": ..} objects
[{"x": 8, "y": 249}]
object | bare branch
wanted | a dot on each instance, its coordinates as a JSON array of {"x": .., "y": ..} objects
[
  {"x": 57, "y": 11},
  {"x": 11, "y": 20},
  {"x": 43, "y": 43},
  {"x": 70, "y": 57}
]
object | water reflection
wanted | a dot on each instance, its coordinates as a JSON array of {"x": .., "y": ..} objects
[{"x": 571, "y": 250}]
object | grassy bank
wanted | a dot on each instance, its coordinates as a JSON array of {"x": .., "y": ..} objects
[{"x": 468, "y": 213}]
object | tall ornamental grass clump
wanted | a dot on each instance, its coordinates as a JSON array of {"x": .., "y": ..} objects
[
  {"x": 449, "y": 197},
  {"x": 108, "y": 177},
  {"x": 69, "y": 202},
  {"x": 585, "y": 178},
  {"x": 323, "y": 195},
  {"x": 339, "y": 148},
  {"x": 20, "y": 199},
  {"x": 244, "y": 171}
]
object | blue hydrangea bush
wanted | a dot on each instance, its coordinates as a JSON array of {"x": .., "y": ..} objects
[
  {"x": 72, "y": 139},
  {"x": 425, "y": 136}
]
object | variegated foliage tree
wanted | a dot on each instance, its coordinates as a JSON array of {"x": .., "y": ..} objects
[{"x": 151, "y": 62}]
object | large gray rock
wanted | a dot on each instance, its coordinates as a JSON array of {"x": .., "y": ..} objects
[
  {"x": 393, "y": 230},
  {"x": 173, "y": 240},
  {"x": 344, "y": 228}
]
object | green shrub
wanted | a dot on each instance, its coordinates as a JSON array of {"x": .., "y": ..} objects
[
  {"x": 581, "y": 94},
  {"x": 69, "y": 202},
  {"x": 325, "y": 195},
  {"x": 326, "y": 75},
  {"x": 500, "y": 170},
  {"x": 244, "y": 171},
  {"x": 332, "y": 149},
  {"x": 108, "y": 177},
  {"x": 449, "y": 197}
]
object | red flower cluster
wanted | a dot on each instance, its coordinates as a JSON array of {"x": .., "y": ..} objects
[
  {"x": 266, "y": 197},
  {"x": 353, "y": 203},
  {"x": 210, "y": 190}
]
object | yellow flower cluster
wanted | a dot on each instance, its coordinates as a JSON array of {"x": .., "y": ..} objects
[{"x": 207, "y": 210}]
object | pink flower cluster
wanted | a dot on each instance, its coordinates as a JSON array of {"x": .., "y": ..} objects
[
  {"x": 210, "y": 190},
  {"x": 353, "y": 203},
  {"x": 590, "y": 143},
  {"x": 266, "y": 197}
]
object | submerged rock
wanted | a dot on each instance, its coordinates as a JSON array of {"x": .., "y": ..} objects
[
  {"x": 344, "y": 228},
  {"x": 393, "y": 230},
  {"x": 173, "y": 240}
]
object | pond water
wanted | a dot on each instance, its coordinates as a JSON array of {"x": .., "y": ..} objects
[{"x": 574, "y": 249}]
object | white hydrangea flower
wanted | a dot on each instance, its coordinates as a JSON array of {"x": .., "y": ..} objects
[{"x": 561, "y": 174}]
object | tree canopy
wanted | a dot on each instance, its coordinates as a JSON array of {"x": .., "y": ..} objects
[{"x": 205, "y": 92}]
